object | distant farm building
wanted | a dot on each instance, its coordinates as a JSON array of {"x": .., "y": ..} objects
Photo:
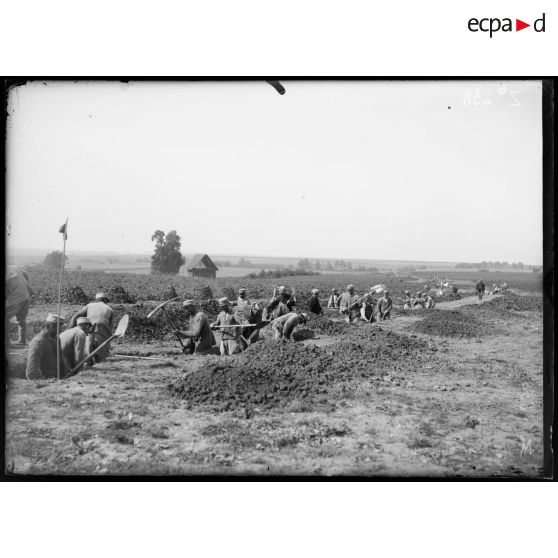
[{"x": 200, "y": 265}]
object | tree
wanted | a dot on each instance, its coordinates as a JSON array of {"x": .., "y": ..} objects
[
  {"x": 54, "y": 259},
  {"x": 167, "y": 257},
  {"x": 304, "y": 264}
]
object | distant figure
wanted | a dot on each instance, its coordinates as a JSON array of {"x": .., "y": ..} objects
[
  {"x": 18, "y": 299},
  {"x": 284, "y": 326},
  {"x": 480, "y": 288},
  {"x": 418, "y": 301},
  {"x": 199, "y": 338},
  {"x": 242, "y": 297},
  {"x": 333, "y": 301},
  {"x": 368, "y": 309},
  {"x": 41, "y": 360},
  {"x": 495, "y": 289},
  {"x": 230, "y": 336},
  {"x": 428, "y": 301},
  {"x": 314, "y": 303},
  {"x": 385, "y": 305},
  {"x": 408, "y": 302},
  {"x": 101, "y": 316},
  {"x": 73, "y": 342}
]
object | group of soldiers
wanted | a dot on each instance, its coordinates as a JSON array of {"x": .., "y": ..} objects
[
  {"x": 238, "y": 323},
  {"x": 88, "y": 333},
  {"x": 369, "y": 307}
]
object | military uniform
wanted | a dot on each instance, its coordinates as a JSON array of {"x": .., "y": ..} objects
[
  {"x": 230, "y": 337},
  {"x": 41, "y": 359},
  {"x": 101, "y": 316},
  {"x": 18, "y": 298},
  {"x": 73, "y": 345},
  {"x": 199, "y": 336},
  {"x": 347, "y": 301}
]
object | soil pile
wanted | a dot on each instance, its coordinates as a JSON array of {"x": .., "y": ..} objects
[
  {"x": 230, "y": 293},
  {"x": 203, "y": 292},
  {"x": 75, "y": 295},
  {"x": 118, "y": 294},
  {"x": 274, "y": 375},
  {"x": 326, "y": 326},
  {"x": 451, "y": 323},
  {"x": 156, "y": 328},
  {"x": 516, "y": 303}
]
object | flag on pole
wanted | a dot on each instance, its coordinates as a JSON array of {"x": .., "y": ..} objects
[{"x": 64, "y": 230}]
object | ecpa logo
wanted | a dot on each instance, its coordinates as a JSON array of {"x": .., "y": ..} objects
[{"x": 492, "y": 25}]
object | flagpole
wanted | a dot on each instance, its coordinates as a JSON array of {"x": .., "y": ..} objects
[{"x": 65, "y": 236}]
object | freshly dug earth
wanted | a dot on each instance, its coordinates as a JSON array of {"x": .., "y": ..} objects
[
  {"x": 118, "y": 294},
  {"x": 516, "y": 303},
  {"x": 324, "y": 325},
  {"x": 451, "y": 323},
  {"x": 75, "y": 295},
  {"x": 271, "y": 374},
  {"x": 156, "y": 328}
]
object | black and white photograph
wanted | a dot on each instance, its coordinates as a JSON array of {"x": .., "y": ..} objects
[{"x": 275, "y": 278}]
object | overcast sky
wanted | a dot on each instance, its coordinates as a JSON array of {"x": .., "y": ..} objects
[{"x": 440, "y": 171}]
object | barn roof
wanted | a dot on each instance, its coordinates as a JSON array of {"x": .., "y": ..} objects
[{"x": 201, "y": 261}]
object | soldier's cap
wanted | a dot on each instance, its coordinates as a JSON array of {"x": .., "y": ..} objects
[
  {"x": 54, "y": 318},
  {"x": 100, "y": 296},
  {"x": 83, "y": 320},
  {"x": 315, "y": 291},
  {"x": 281, "y": 289},
  {"x": 188, "y": 302},
  {"x": 223, "y": 301},
  {"x": 349, "y": 287},
  {"x": 241, "y": 290}
]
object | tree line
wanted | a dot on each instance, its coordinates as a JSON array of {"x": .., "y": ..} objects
[{"x": 491, "y": 265}]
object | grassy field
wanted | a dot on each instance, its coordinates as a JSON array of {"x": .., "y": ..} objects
[{"x": 396, "y": 402}]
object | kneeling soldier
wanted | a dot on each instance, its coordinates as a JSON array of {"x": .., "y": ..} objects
[{"x": 199, "y": 338}]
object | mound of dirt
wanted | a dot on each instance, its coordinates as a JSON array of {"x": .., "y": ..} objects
[
  {"x": 301, "y": 334},
  {"x": 516, "y": 303},
  {"x": 274, "y": 375},
  {"x": 451, "y": 323},
  {"x": 156, "y": 328},
  {"x": 118, "y": 294},
  {"x": 203, "y": 292},
  {"x": 230, "y": 293},
  {"x": 75, "y": 295},
  {"x": 326, "y": 326}
]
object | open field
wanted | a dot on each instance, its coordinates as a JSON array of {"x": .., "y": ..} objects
[{"x": 453, "y": 392}]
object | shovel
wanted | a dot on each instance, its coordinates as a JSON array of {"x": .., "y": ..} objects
[{"x": 120, "y": 331}]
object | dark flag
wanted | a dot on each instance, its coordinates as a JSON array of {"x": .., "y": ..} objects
[{"x": 64, "y": 230}]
